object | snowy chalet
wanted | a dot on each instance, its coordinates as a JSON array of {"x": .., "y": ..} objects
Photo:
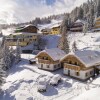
[
  {"x": 81, "y": 64},
  {"x": 49, "y": 59},
  {"x": 28, "y": 28},
  {"x": 77, "y": 26},
  {"x": 97, "y": 24}
]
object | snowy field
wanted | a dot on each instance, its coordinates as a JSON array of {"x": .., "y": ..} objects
[{"x": 21, "y": 83}]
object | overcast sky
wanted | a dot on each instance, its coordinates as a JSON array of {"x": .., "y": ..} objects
[{"x": 16, "y": 11}]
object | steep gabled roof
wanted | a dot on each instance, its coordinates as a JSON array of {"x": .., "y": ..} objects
[
  {"x": 87, "y": 57},
  {"x": 54, "y": 53}
]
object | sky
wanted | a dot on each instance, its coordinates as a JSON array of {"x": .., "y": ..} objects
[{"x": 16, "y": 11}]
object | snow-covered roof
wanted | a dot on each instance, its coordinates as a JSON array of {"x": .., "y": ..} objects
[
  {"x": 26, "y": 26},
  {"x": 24, "y": 33},
  {"x": 54, "y": 53},
  {"x": 87, "y": 57},
  {"x": 80, "y": 21}
]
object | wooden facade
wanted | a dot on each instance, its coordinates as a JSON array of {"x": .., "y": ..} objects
[
  {"x": 77, "y": 27},
  {"x": 24, "y": 39},
  {"x": 75, "y": 68},
  {"x": 45, "y": 59},
  {"x": 49, "y": 59},
  {"x": 55, "y": 30},
  {"x": 28, "y": 29},
  {"x": 97, "y": 24}
]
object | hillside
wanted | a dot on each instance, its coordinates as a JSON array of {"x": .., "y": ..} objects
[{"x": 22, "y": 86}]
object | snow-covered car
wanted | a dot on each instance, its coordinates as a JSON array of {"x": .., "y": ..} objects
[
  {"x": 32, "y": 61},
  {"x": 55, "y": 79},
  {"x": 42, "y": 85}
]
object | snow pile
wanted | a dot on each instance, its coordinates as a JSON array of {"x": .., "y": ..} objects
[{"x": 93, "y": 94}]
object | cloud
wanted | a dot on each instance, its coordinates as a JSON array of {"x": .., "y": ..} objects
[{"x": 16, "y": 11}]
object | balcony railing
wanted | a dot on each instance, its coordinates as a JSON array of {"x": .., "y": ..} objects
[
  {"x": 47, "y": 61},
  {"x": 73, "y": 67}
]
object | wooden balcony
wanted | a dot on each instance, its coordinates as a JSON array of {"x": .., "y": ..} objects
[
  {"x": 47, "y": 61},
  {"x": 73, "y": 67}
]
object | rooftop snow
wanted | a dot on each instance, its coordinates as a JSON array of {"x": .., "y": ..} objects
[
  {"x": 54, "y": 53},
  {"x": 87, "y": 57}
]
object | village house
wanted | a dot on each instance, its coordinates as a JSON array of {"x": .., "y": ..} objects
[
  {"x": 24, "y": 38},
  {"x": 49, "y": 59},
  {"x": 97, "y": 24},
  {"x": 28, "y": 28},
  {"x": 78, "y": 26},
  {"x": 46, "y": 31},
  {"x": 81, "y": 64},
  {"x": 55, "y": 29}
]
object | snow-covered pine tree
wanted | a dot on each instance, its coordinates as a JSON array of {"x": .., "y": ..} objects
[
  {"x": 74, "y": 46},
  {"x": 18, "y": 52},
  {"x": 98, "y": 8},
  {"x": 63, "y": 43},
  {"x": 85, "y": 27},
  {"x": 2, "y": 77},
  {"x": 6, "y": 57}
]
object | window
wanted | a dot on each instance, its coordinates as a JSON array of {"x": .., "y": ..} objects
[
  {"x": 41, "y": 65},
  {"x": 47, "y": 66},
  {"x": 77, "y": 73},
  {"x": 91, "y": 72},
  {"x": 54, "y": 66},
  {"x": 70, "y": 62},
  {"x": 86, "y": 74},
  {"x": 76, "y": 63}
]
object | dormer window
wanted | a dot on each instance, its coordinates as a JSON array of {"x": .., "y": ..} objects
[{"x": 70, "y": 62}]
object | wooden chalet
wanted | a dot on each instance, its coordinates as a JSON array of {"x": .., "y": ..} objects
[
  {"x": 97, "y": 24},
  {"x": 49, "y": 59},
  {"x": 28, "y": 28},
  {"x": 81, "y": 64},
  {"x": 24, "y": 38},
  {"x": 77, "y": 26}
]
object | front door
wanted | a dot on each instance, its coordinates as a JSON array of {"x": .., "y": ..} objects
[{"x": 68, "y": 72}]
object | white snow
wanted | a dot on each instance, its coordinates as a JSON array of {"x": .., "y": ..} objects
[
  {"x": 54, "y": 53},
  {"x": 87, "y": 57},
  {"x": 93, "y": 94},
  {"x": 21, "y": 83}
]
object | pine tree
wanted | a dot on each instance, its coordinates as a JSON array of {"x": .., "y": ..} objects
[
  {"x": 98, "y": 8},
  {"x": 18, "y": 53},
  {"x": 6, "y": 61},
  {"x": 74, "y": 46},
  {"x": 63, "y": 43}
]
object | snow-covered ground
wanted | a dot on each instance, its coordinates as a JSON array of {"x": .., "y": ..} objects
[{"x": 21, "y": 83}]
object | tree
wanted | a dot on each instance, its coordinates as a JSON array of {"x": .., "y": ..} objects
[
  {"x": 74, "y": 46},
  {"x": 2, "y": 77},
  {"x": 98, "y": 8},
  {"x": 85, "y": 27},
  {"x": 18, "y": 52},
  {"x": 6, "y": 61},
  {"x": 80, "y": 13},
  {"x": 41, "y": 43},
  {"x": 63, "y": 43}
]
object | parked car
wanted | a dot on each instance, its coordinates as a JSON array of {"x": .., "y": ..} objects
[
  {"x": 42, "y": 85},
  {"x": 32, "y": 61},
  {"x": 55, "y": 79}
]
